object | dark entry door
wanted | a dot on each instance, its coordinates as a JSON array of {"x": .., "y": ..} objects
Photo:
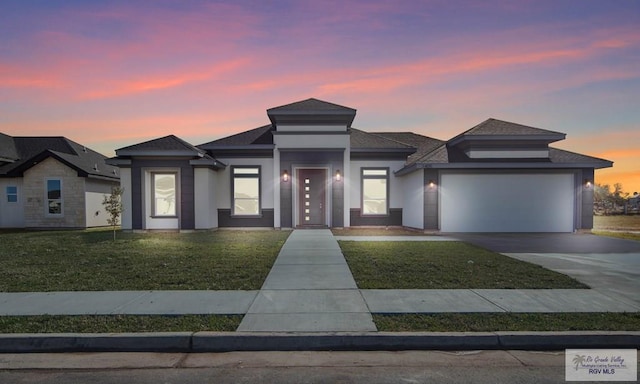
[{"x": 311, "y": 196}]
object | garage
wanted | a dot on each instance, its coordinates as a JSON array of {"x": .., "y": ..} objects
[{"x": 510, "y": 202}]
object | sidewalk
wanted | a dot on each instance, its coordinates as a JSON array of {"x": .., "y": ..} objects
[{"x": 310, "y": 289}]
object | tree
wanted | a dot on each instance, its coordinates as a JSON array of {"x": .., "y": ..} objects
[{"x": 113, "y": 205}]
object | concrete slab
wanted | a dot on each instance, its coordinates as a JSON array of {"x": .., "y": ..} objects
[
  {"x": 308, "y": 301},
  {"x": 190, "y": 303},
  {"x": 309, "y": 256},
  {"x": 330, "y": 276},
  {"x": 616, "y": 274},
  {"x": 69, "y": 303},
  {"x": 395, "y": 238},
  {"x": 308, "y": 322},
  {"x": 554, "y": 300},
  {"x": 426, "y": 301}
]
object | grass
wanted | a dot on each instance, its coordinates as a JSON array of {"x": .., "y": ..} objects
[
  {"x": 492, "y": 322},
  {"x": 617, "y": 222},
  {"x": 92, "y": 261},
  {"x": 119, "y": 323},
  {"x": 444, "y": 265}
]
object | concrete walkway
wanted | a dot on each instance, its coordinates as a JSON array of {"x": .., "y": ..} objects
[{"x": 309, "y": 289}]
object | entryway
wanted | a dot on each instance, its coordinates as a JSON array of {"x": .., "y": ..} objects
[{"x": 312, "y": 197}]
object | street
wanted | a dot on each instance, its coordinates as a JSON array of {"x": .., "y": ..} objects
[{"x": 286, "y": 367}]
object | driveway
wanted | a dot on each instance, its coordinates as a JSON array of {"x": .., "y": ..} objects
[{"x": 607, "y": 264}]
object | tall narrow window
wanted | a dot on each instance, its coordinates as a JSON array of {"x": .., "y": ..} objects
[
  {"x": 164, "y": 194},
  {"x": 12, "y": 194},
  {"x": 375, "y": 191},
  {"x": 54, "y": 196},
  {"x": 246, "y": 191}
]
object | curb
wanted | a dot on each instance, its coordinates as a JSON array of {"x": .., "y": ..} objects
[{"x": 370, "y": 341}]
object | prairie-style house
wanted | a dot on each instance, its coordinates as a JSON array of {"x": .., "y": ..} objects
[{"x": 309, "y": 167}]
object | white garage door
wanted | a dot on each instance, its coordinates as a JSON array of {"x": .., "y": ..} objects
[{"x": 507, "y": 203}]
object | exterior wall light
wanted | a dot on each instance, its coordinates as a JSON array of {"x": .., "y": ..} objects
[
  {"x": 338, "y": 175},
  {"x": 285, "y": 176},
  {"x": 587, "y": 183},
  {"x": 432, "y": 184}
]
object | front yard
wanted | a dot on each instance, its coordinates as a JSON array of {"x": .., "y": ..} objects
[
  {"x": 443, "y": 265},
  {"x": 620, "y": 226},
  {"x": 92, "y": 261}
]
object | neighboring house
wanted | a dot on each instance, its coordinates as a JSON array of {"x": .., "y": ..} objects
[
  {"x": 52, "y": 182},
  {"x": 310, "y": 168}
]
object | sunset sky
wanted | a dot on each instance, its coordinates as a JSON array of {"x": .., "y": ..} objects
[{"x": 108, "y": 74}]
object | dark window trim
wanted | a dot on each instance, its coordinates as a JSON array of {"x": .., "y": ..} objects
[
  {"x": 362, "y": 178},
  {"x": 246, "y": 176},
  {"x": 153, "y": 194}
]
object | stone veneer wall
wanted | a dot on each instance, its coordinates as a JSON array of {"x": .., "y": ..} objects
[{"x": 73, "y": 196}]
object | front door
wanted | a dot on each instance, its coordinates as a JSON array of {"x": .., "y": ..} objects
[{"x": 311, "y": 197}]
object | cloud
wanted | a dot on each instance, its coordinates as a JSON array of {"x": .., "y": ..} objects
[{"x": 147, "y": 83}]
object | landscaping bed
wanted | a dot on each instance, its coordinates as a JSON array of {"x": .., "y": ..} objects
[
  {"x": 444, "y": 265},
  {"x": 91, "y": 261}
]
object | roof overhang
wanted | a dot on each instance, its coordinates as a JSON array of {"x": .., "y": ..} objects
[
  {"x": 540, "y": 139},
  {"x": 497, "y": 165},
  {"x": 208, "y": 163},
  {"x": 158, "y": 153}
]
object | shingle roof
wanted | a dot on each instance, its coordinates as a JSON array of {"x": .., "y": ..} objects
[
  {"x": 423, "y": 144},
  {"x": 261, "y": 135},
  {"x": 364, "y": 140},
  {"x": 505, "y": 128},
  {"x": 561, "y": 156},
  {"x": 166, "y": 143},
  {"x": 447, "y": 155},
  {"x": 310, "y": 105},
  {"x": 36, "y": 149}
]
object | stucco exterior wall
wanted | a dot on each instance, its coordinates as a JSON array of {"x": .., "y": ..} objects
[
  {"x": 396, "y": 194},
  {"x": 73, "y": 196},
  {"x": 413, "y": 188},
  {"x": 267, "y": 181},
  {"x": 206, "y": 213},
  {"x": 96, "y": 190}
]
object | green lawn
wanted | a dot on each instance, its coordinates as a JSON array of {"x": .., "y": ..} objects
[
  {"x": 443, "y": 265},
  {"x": 120, "y": 323},
  {"x": 92, "y": 261},
  {"x": 492, "y": 322}
]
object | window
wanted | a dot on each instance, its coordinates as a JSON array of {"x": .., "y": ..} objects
[
  {"x": 375, "y": 191},
  {"x": 12, "y": 194},
  {"x": 164, "y": 194},
  {"x": 246, "y": 191},
  {"x": 54, "y": 197}
]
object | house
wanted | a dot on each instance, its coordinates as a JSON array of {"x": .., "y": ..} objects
[
  {"x": 310, "y": 168},
  {"x": 52, "y": 182}
]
